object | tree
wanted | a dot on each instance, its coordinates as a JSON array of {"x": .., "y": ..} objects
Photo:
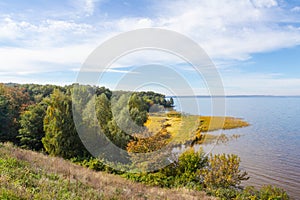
[
  {"x": 119, "y": 119},
  {"x": 32, "y": 127},
  {"x": 13, "y": 101},
  {"x": 5, "y": 118},
  {"x": 129, "y": 116},
  {"x": 103, "y": 112},
  {"x": 138, "y": 109},
  {"x": 171, "y": 101},
  {"x": 117, "y": 135},
  {"x": 61, "y": 138}
]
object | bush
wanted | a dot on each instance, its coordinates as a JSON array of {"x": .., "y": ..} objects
[
  {"x": 94, "y": 164},
  {"x": 272, "y": 193},
  {"x": 223, "y": 172},
  {"x": 191, "y": 161},
  {"x": 184, "y": 172},
  {"x": 249, "y": 193}
]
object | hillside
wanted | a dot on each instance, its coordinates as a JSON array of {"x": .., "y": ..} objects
[{"x": 30, "y": 175}]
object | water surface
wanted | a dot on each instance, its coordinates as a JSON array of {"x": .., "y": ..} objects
[{"x": 270, "y": 148}]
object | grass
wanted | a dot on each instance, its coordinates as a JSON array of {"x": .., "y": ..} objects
[
  {"x": 186, "y": 127},
  {"x": 217, "y": 123},
  {"x": 30, "y": 175}
]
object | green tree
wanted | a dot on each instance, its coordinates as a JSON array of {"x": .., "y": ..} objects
[
  {"x": 32, "y": 127},
  {"x": 5, "y": 118},
  {"x": 171, "y": 101},
  {"x": 103, "y": 111},
  {"x": 121, "y": 117},
  {"x": 138, "y": 109},
  {"x": 61, "y": 138},
  {"x": 117, "y": 135}
]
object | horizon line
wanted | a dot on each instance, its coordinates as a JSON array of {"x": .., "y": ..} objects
[
  {"x": 169, "y": 96},
  {"x": 235, "y": 95}
]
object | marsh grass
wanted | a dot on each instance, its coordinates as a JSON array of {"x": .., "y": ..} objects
[
  {"x": 216, "y": 123},
  {"x": 185, "y": 128}
]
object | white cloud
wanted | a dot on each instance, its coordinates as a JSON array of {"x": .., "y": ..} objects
[
  {"x": 265, "y": 3},
  {"x": 45, "y": 33},
  {"x": 231, "y": 29},
  {"x": 126, "y": 24},
  {"x": 296, "y": 9},
  {"x": 228, "y": 30},
  {"x": 10, "y": 29},
  {"x": 147, "y": 57},
  {"x": 89, "y": 6},
  {"x": 22, "y": 61}
]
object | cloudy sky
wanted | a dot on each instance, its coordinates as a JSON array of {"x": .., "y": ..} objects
[{"x": 255, "y": 44}]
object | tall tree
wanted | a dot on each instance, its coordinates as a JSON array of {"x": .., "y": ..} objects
[
  {"x": 32, "y": 127},
  {"x": 103, "y": 111},
  {"x": 61, "y": 138}
]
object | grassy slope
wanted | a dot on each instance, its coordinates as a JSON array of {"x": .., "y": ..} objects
[{"x": 30, "y": 175}]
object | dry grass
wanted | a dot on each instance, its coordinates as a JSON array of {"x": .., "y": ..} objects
[
  {"x": 217, "y": 123},
  {"x": 84, "y": 180},
  {"x": 185, "y": 128}
]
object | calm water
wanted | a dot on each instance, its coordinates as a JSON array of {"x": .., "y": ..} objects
[{"x": 270, "y": 148}]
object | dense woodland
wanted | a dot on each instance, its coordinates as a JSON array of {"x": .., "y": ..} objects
[
  {"x": 30, "y": 113},
  {"x": 40, "y": 118}
]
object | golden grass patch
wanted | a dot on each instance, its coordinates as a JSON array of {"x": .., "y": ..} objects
[{"x": 185, "y": 128}]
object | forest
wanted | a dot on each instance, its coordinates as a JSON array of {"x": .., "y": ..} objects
[{"x": 43, "y": 118}]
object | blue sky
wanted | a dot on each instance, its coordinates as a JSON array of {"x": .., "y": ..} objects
[{"x": 255, "y": 44}]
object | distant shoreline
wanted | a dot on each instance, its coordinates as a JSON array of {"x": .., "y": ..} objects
[
  {"x": 178, "y": 96},
  {"x": 234, "y": 96}
]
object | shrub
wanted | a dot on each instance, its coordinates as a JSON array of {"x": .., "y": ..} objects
[
  {"x": 191, "y": 161},
  {"x": 223, "y": 172},
  {"x": 94, "y": 164},
  {"x": 183, "y": 172},
  {"x": 272, "y": 193},
  {"x": 249, "y": 193}
]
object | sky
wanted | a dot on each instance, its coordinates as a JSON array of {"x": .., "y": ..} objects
[{"x": 254, "y": 44}]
